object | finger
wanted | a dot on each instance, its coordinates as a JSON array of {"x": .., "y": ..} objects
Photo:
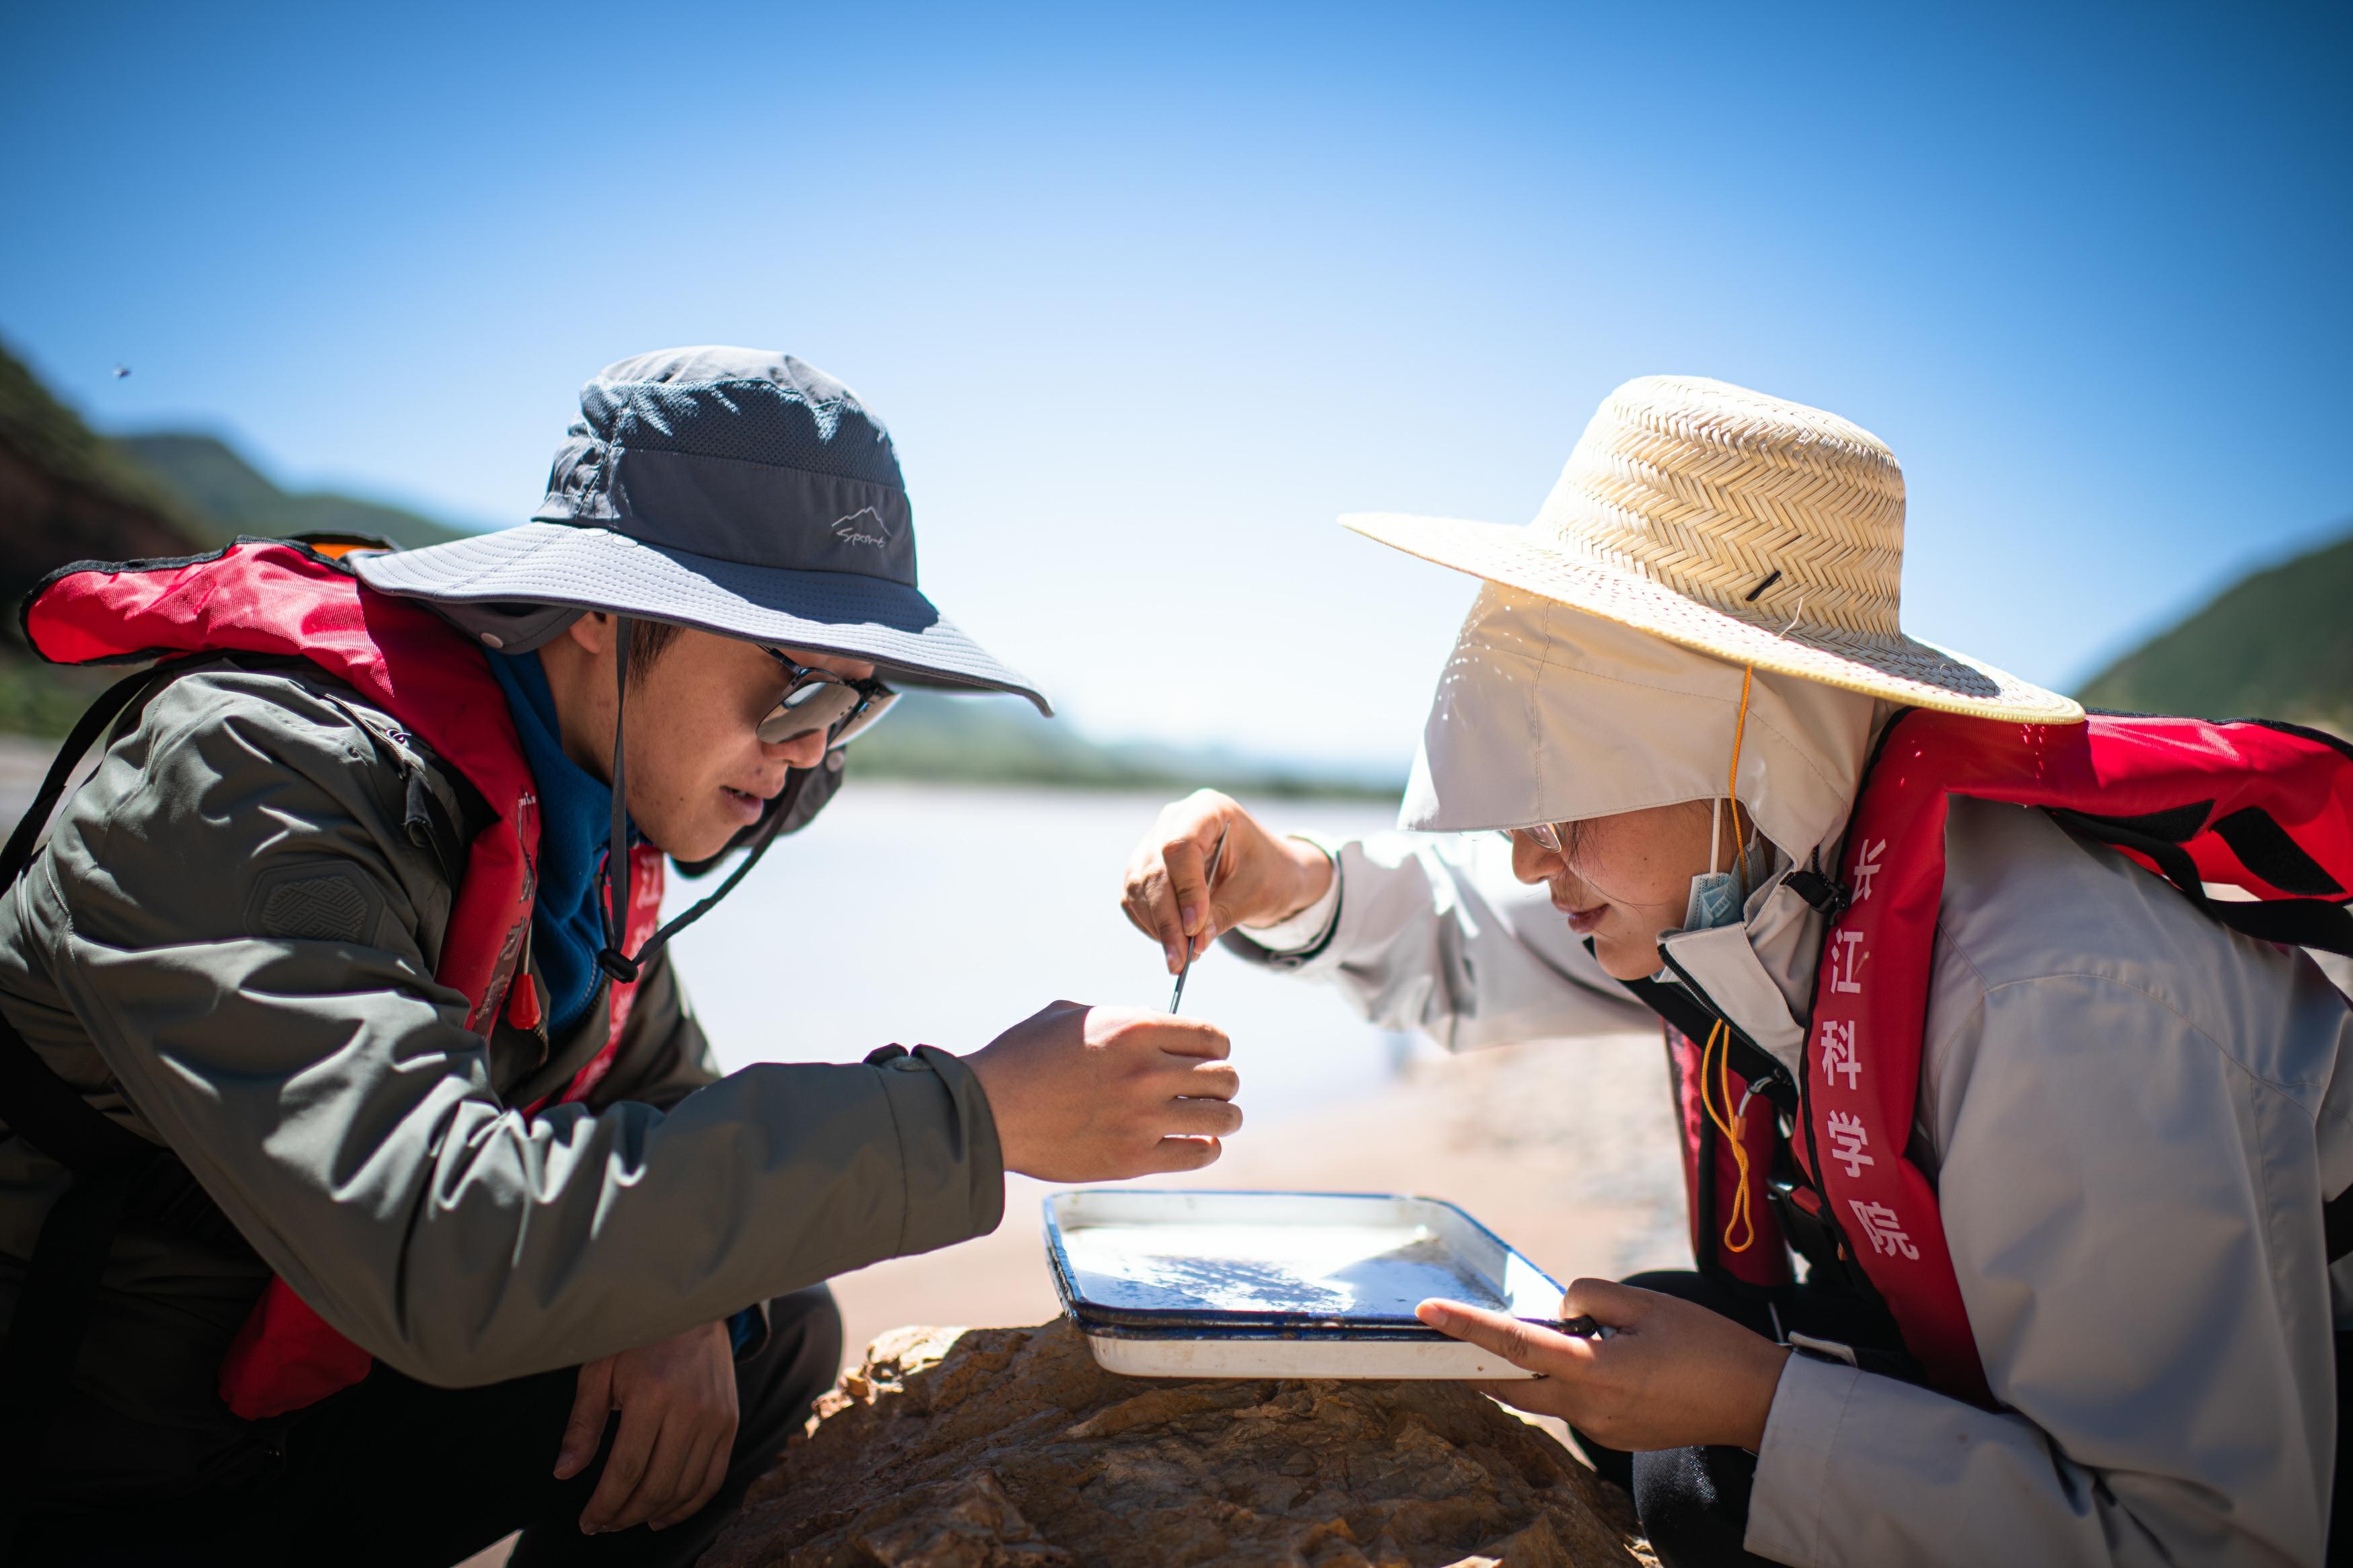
[
  {"x": 1536, "y": 1396},
  {"x": 1182, "y": 1155},
  {"x": 625, "y": 1467},
  {"x": 1185, "y": 858},
  {"x": 1523, "y": 1344},
  {"x": 592, "y": 1404},
  {"x": 1605, "y": 1302},
  {"x": 671, "y": 1470},
  {"x": 1204, "y": 1080},
  {"x": 1501, "y": 1388},
  {"x": 714, "y": 1475},
  {"x": 1203, "y": 1117},
  {"x": 1139, "y": 915},
  {"x": 1190, "y": 1038},
  {"x": 1152, "y": 909}
]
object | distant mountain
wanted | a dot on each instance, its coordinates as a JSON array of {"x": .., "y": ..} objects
[
  {"x": 230, "y": 496},
  {"x": 69, "y": 494},
  {"x": 65, "y": 491},
  {"x": 2275, "y": 645},
  {"x": 66, "y": 494}
]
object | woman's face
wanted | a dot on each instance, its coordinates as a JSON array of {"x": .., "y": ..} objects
[{"x": 1623, "y": 879}]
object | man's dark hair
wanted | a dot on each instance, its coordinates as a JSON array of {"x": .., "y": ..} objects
[{"x": 647, "y": 641}]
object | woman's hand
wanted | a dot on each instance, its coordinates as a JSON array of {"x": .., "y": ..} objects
[
  {"x": 677, "y": 1400},
  {"x": 1260, "y": 879},
  {"x": 1674, "y": 1375}
]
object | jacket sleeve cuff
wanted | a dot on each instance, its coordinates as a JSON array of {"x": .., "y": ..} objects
[
  {"x": 1304, "y": 938},
  {"x": 1785, "y": 1508},
  {"x": 947, "y": 1147},
  {"x": 1311, "y": 926}
]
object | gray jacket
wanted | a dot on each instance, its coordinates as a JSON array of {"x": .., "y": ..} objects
[
  {"x": 228, "y": 942},
  {"x": 2132, "y": 1115}
]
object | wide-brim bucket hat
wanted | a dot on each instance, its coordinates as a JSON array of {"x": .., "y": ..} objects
[
  {"x": 1759, "y": 530},
  {"x": 734, "y": 491}
]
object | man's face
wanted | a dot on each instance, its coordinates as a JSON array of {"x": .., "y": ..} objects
[
  {"x": 698, "y": 771},
  {"x": 1622, "y": 879}
]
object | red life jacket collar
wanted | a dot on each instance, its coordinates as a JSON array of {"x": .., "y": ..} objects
[
  {"x": 267, "y": 597},
  {"x": 2264, "y": 809},
  {"x": 273, "y": 598}
]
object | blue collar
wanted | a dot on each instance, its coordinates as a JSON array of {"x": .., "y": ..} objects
[{"x": 575, "y": 819}]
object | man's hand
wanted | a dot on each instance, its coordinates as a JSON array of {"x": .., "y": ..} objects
[
  {"x": 1093, "y": 1094},
  {"x": 1674, "y": 1375},
  {"x": 677, "y": 1400},
  {"x": 1260, "y": 879}
]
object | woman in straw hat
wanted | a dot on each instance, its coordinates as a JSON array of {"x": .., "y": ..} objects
[{"x": 2055, "y": 1141}]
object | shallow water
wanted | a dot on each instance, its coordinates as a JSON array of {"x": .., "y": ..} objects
[
  {"x": 1355, "y": 1270},
  {"x": 940, "y": 914}
]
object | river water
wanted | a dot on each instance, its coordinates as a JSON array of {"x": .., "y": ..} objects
[{"x": 940, "y": 914}]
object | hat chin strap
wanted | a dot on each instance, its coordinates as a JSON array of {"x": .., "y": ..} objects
[{"x": 614, "y": 885}]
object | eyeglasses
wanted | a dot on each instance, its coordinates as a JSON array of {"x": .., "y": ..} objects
[
  {"x": 1547, "y": 835},
  {"x": 820, "y": 700}
]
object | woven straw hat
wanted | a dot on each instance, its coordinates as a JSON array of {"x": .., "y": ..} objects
[{"x": 1757, "y": 531}]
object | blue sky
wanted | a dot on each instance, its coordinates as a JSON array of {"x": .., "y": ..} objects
[{"x": 1149, "y": 297}]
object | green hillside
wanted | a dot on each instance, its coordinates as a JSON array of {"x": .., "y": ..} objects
[
  {"x": 52, "y": 439},
  {"x": 230, "y": 497},
  {"x": 65, "y": 493},
  {"x": 2275, "y": 645}
]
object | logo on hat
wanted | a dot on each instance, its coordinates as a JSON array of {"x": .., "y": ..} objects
[{"x": 864, "y": 526}]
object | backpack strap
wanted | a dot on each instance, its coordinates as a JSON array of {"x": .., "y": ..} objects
[{"x": 2320, "y": 922}]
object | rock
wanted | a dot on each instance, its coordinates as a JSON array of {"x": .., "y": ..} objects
[{"x": 991, "y": 1448}]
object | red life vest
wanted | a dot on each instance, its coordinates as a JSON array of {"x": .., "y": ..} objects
[
  {"x": 280, "y": 598},
  {"x": 2267, "y": 810}
]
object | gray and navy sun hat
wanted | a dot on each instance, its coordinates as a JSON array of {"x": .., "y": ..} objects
[{"x": 736, "y": 490}]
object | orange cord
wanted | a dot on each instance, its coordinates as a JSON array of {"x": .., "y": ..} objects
[
  {"x": 1732, "y": 788},
  {"x": 1731, "y": 1122}
]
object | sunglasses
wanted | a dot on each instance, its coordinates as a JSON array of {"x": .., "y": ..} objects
[{"x": 820, "y": 700}]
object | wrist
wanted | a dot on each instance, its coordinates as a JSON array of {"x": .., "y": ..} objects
[
  {"x": 1311, "y": 876},
  {"x": 997, "y": 1092},
  {"x": 1759, "y": 1389}
]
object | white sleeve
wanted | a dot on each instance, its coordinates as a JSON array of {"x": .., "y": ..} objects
[{"x": 1432, "y": 932}]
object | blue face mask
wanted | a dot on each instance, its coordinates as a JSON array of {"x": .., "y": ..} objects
[{"x": 1716, "y": 896}]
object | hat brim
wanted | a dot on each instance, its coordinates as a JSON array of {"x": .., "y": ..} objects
[
  {"x": 890, "y": 624},
  {"x": 1900, "y": 668}
]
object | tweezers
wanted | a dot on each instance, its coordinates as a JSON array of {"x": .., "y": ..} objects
[{"x": 1209, "y": 884}]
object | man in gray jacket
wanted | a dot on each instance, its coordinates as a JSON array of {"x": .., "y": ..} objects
[
  {"x": 1667, "y": 696},
  {"x": 588, "y": 1269}
]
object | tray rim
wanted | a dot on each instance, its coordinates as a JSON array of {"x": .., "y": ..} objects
[{"x": 1194, "y": 1322}]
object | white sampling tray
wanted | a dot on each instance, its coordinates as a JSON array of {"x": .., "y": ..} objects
[{"x": 1209, "y": 1284}]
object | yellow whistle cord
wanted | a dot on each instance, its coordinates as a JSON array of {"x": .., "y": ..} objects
[{"x": 1731, "y": 1120}]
